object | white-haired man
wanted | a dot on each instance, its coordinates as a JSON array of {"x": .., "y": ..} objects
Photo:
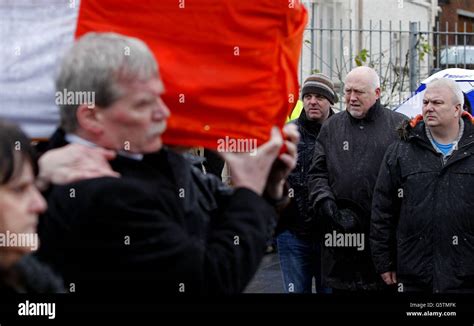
[
  {"x": 422, "y": 230},
  {"x": 346, "y": 162}
]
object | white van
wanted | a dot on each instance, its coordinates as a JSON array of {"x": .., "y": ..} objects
[{"x": 457, "y": 55}]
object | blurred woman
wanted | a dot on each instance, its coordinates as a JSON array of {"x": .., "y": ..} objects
[{"x": 20, "y": 205}]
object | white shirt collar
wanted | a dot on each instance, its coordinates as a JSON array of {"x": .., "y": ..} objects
[
  {"x": 133, "y": 156},
  {"x": 75, "y": 139}
]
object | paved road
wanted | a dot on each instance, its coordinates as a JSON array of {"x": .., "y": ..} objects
[{"x": 268, "y": 278}]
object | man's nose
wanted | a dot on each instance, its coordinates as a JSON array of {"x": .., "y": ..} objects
[
  {"x": 353, "y": 97},
  {"x": 162, "y": 111}
]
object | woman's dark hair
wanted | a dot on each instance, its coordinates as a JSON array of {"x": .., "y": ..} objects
[{"x": 15, "y": 150}]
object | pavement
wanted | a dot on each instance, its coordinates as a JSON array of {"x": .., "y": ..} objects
[{"x": 268, "y": 278}]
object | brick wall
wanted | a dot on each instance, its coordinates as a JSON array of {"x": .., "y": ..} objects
[{"x": 449, "y": 14}]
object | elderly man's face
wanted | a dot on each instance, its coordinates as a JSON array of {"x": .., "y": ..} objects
[
  {"x": 137, "y": 120},
  {"x": 439, "y": 108},
  {"x": 359, "y": 94}
]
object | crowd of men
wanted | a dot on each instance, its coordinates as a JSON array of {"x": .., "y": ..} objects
[
  {"x": 366, "y": 200},
  {"x": 382, "y": 203}
]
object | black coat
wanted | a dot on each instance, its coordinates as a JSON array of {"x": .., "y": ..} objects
[
  {"x": 346, "y": 162},
  {"x": 298, "y": 216},
  {"x": 423, "y": 213},
  {"x": 163, "y": 227}
]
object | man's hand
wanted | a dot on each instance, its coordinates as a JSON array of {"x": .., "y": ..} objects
[
  {"x": 347, "y": 220},
  {"x": 389, "y": 278},
  {"x": 328, "y": 209},
  {"x": 285, "y": 163},
  {"x": 252, "y": 171},
  {"x": 72, "y": 163}
]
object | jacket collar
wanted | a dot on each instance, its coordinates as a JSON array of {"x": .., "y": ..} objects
[
  {"x": 455, "y": 143},
  {"x": 310, "y": 125},
  {"x": 415, "y": 129},
  {"x": 57, "y": 139},
  {"x": 373, "y": 113}
]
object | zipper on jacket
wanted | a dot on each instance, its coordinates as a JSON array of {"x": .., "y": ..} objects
[{"x": 456, "y": 152}]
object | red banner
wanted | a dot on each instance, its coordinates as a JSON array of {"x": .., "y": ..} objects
[{"x": 229, "y": 66}]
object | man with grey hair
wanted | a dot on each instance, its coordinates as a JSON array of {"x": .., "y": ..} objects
[
  {"x": 346, "y": 162},
  {"x": 422, "y": 212},
  {"x": 162, "y": 226}
]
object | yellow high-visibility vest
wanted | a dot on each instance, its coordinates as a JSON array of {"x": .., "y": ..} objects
[{"x": 296, "y": 111}]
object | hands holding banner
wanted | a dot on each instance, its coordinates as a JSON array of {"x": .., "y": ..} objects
[{"x": 268, "y": 168}]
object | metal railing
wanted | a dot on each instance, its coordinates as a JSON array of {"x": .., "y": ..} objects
[{"x": 403, "y": 56}]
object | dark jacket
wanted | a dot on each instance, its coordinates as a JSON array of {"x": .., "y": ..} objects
[
  {"x": 346, "y": 162},
  {"x": 298, "y": 216},
  {"x": 29, "y": 275},
  {"x": 423, "y": 213},
  {"x": 163, "y": 227}
]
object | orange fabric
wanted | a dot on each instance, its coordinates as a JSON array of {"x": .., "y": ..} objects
[
  {"x": 232, "y": 63},
  {"x": 467, "y": 114},
  {"x": 415, "y": 120}
]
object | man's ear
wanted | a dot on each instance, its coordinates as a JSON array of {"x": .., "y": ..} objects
[
  {"x": 89, "y": 119},
  {"x": 458, "y": 110},
  {"x": 377, "y": 92}
]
